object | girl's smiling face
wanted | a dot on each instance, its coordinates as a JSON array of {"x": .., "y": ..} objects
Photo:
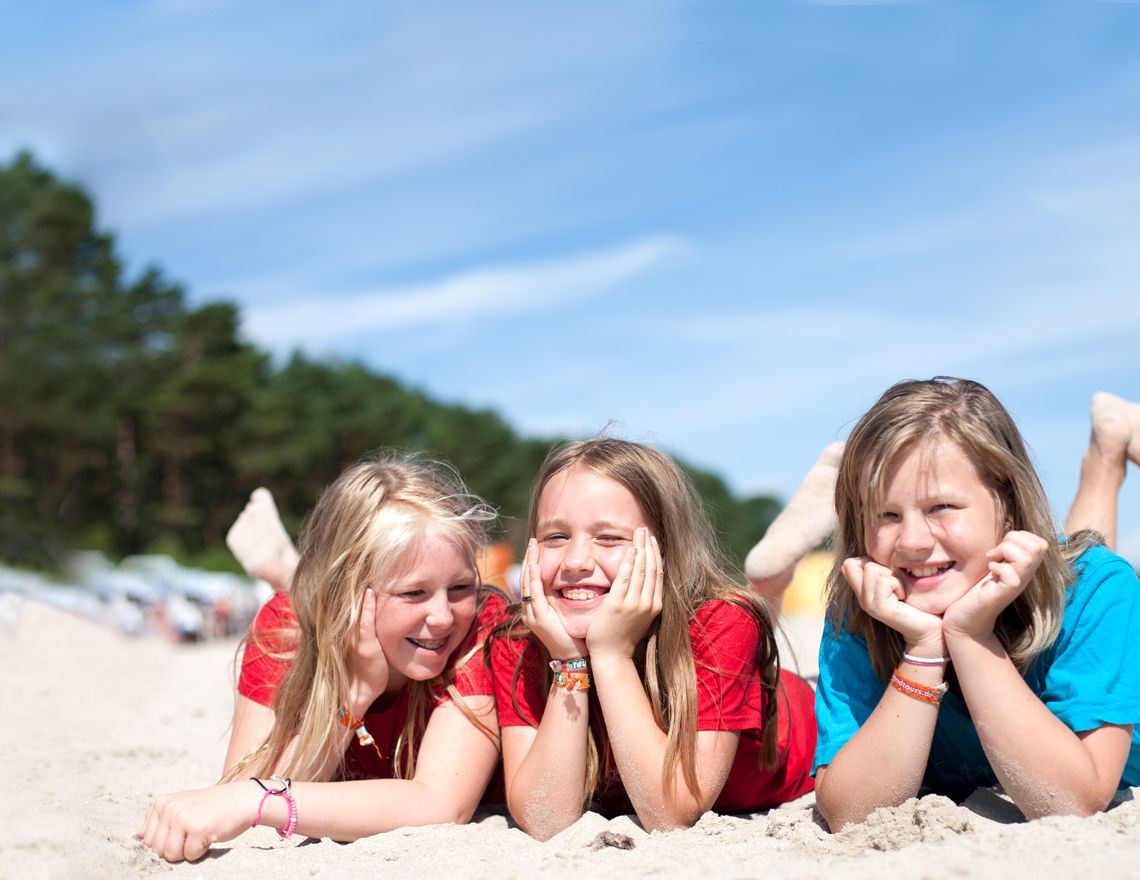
[
  {"x": 938, "y": 520},
  {"x": 425, "y": 608},
  {"x": 585, "y": 526}
]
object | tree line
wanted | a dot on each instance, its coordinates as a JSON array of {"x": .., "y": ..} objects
[{"x": 132, "y": 422}]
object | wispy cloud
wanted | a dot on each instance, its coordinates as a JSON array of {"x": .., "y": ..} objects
[{"x": 314, "y": 320}]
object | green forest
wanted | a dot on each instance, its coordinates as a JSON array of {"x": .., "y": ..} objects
[{"x": 132, "y": 421}]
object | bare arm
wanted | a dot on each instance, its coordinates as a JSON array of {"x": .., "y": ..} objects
[
  {"x": 545, "y": 769},
  {"x": 639, "y": 750},
  {"x": 1046, "y": 768},
  {"x": 884, "y": 762},
  {"x": 251, "y": 725},
  {"x": 455, "y": 762}
]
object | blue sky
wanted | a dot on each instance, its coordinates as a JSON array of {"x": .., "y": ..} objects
[{"x": 725, "y": 227}]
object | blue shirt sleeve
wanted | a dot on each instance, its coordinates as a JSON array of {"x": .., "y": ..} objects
[
  {"x": 1091, "y": 676},
  {"x": 847, "y": 693}
]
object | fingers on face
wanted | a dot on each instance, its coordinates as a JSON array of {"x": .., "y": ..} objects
[
  {"x": 1026, "y": 543},
  {"x": 637, "y": 580},
  {"x": 1016, "y": 557},
  {"x": 531, "y": 584},
  {"x": 366, "y": 623},
  {"x": 853, "y": 572},
  {"x": 877, "y": 584},
  {"x": 623, "y": 588},
  {"x": 658, "y": 583}
]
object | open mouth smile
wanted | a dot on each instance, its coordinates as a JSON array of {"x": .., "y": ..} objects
[
  {"x": 429, "y": 644},
  {"x": 925, "y": 571},
  {"x": 582, "y": 593}
]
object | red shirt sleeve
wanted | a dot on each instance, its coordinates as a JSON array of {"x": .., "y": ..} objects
[
  {"x": 473, "y": 677},
  {"x": 518, "y": 703},
  {"x": 725, "y": 639},
  {"x": 268, "y": 649}
]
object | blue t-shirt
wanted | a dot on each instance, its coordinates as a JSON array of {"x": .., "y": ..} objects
[{"x": 1089, "y": 677}]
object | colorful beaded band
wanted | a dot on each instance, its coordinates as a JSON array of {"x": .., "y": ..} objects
[
  {"x": 916, "y": 691},
  {"x": 574, "y": 675},
  {"x": 357, "y": 724}
]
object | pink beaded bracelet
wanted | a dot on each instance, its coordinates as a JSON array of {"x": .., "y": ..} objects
[{"x": 290, "y": 825}]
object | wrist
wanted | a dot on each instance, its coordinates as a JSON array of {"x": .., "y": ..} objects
[
  {"x": 572, "y": 675},
  {"x": 956, "y": 640},
  {"x": 275, "y": 805},
  {"x": 954, "y": 635},
  {"x": 603, "y": 662},
  {"x": 927, "y": 646},
  {"x": 925, "y": 661},
  {"x": 360, "y": 698},
  {"x": 565, "y": 648}
]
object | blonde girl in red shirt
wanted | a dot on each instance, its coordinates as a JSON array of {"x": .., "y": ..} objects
[{"x": 359, "y": 674}]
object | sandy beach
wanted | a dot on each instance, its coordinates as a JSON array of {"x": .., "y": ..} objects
[{"x": 96, "y": 725}]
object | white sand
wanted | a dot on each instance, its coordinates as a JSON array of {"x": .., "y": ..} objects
[{"x": 95, "y": 726}]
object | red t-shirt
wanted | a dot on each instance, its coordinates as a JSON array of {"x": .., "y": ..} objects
[
  {"x": 272, "y": 632},
  {"x": 729, "y": 697}
]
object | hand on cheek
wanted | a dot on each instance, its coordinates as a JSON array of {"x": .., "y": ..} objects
[
  {"x": 633, "y": 602},
  {"x": 538, "y": 615},
  {"x": 368, "y": 664},
  {"x": 1012, "y": 564},
  {"x": 880, "y": 594}
]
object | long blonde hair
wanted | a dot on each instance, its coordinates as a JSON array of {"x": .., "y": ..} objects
[
  {"x": 360, "y": 532},
  {"x": 695, "y": 572},
  {"x": 908, "y": 416}
]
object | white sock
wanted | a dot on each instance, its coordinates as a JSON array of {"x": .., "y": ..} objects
[
  {"x": 258, "y": 539},
  {"x": 807, "y": 520}
]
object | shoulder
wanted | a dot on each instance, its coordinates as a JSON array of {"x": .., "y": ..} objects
[
  {"x": 844, "y": 658},
  {"x": 1101, "y": 577},
  {"x": 1105, "y": 593},
  {"x": 493, "y": 606},
  {"x": 1098, "y": 563},
  {"x": 275, "y": 619},
  {"x": 722, "y": 614},
  {"x": 721, "y": 625},
  {"x": 271, "y": 642}
]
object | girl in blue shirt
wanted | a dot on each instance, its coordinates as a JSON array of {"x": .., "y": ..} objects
[{"x": 965, "y": 645}]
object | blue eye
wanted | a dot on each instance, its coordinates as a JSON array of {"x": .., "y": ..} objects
[
  {"x": 553, "y": 539},
  {"x": 412, "y": 594},
  {"x": 461, "y": 588}
]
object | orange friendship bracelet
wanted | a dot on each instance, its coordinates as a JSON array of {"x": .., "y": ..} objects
[
  {"x": 357, "y": 724},
  {"x": 574, "y": 675},
  {"x": 921, "y": 692}
]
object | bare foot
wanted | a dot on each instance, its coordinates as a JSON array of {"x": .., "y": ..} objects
[
  {"x": 260, "y": 543},
  {"x": 806, "y": 521},
  {"x": 772, "y": 589},
  {"x": 1115, "y": 427}
]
